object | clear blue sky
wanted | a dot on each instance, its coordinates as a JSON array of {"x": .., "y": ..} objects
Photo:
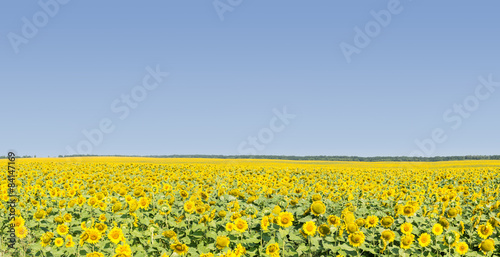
[{"x": 228, "y": 78}]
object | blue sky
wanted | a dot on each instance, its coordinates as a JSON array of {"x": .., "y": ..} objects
[{"x": 230, "y": 81}]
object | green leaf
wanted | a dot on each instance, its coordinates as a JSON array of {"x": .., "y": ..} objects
[
  {"x": 283, "y": 233},
  {"x": 295, "y": 237},
  {"x": 202, "y": 248},
  {"x": 302, "y": 248},
  {"x": 347, "y": 247},
  {"x": 212, "y": 234}
]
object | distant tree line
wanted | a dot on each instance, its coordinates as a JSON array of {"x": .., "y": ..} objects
[
  {"x": 311, "y": 158},
  {"x": 17, "y": 157}
]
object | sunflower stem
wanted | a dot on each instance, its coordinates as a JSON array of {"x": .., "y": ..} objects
[
  {"x": 284, "y": 245},
  {"x": 310, "y": 249}
]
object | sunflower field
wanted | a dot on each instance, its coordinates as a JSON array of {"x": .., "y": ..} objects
[{"x": 116, "y": 206}]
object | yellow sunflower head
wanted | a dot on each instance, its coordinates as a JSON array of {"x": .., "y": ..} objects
[
  {"x": 240, "y": 225},
  {"x": 407, "y": 241},
  {"x": 424, "y": 240},
  {"x": 356, "y": 239},
  {"x": 437, "y": 229},
  {"x": 388, "y": 236},
  {"x": 180, "y": 249},
  {"x": 318, "y": 208},
  {"x": 222, "y": 242},
  {"x": 273, "y": 249},
  {"x": 324, "y": 230},
  {"x": 406, "y": 228},
  {"x": 462, "y": 248},
  {"x": 484, "y": 231},
  {"x": 487, "y": 246},
  {"x": 285, "y": 219},
  {"x": 387, "y": 221},
  {"x": 309, "y": 228}
]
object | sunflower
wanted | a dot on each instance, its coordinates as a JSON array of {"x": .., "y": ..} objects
[
  {"x": 398, "y": 209},
  {"x": 18, "y": 221},
  {"x": 58, "y": 220},
  {"x": 316, "y": 197},
  {"x": 371, "y": 221},
  {"x": 62, "y": 229},
  {"x": 21, "y": 231},
  {"x": 144, "y": 203},
  {"x": 92, "y": 201},
  {"x": 189, "y": 206},
  {"x": 451, "y": 238},
  {"x": 388, "y": 236},
  {"x": 184, "y": 194},
  {"x": 133, "y": 205},
  {"x": 444, "y": 222},
  {"x": 406, "y": 241},
  {"x": 229, "y": 226},
  {"x": 69, "y": 241},
  {"x": 101, "y": 227},
  {"x": 487, "y": 245},
  {"x": 409, "y": 210},
  {"x": 348, "y": 217},
  {"x": 264, "y": 223},
  {"x": 356, "y": 239},
  {"x": 240, "y": 250},
  {"x": 83, "y": 237},
  {"x": 494, "y": 222},
  {"x": 45, "y": 239},
  {"x": 222, "y": 242},
  {"x": 276, "y": 210},
  {"x": 309, "y": 228},
  {"x": 39, "y": 214},
  {"x": 59, "y": 242},
  {"x": 116, "y": 235},
  {"x": 94, "y": 235},
  {"x": 67, "y": 217},
  {"x": 453, "y": 212},
  {"x": 235, "y": 216},
  {"x": 424, "y": 240},
  {"x": 200, "y": 209},
  {"x": 352, "y": 228},
  {"x": 484, "y": 231},
  {"x": 323, "y": 230},
  {"x": 116, "y": 207},
  {"x": 273, "y": 250},
  {"x": 179, "y": 248},
  {"x": 387, "y": 221},
  {"x": 437, "y": 229},
  {"x": 333, "y": 220},
  {"x": 169, "y": 234},
  {"x": 138, "y": 191},
  {"x": 285, "y": 219},
  {"x": 406, "y": 228},
  {"x": 318, "y": 208},
  {"x": 124, "y": 249},
  {"x": 240, "y": 225},
  {"x": 462, "y": 248},
  {"x": 360, "y": 222}
]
